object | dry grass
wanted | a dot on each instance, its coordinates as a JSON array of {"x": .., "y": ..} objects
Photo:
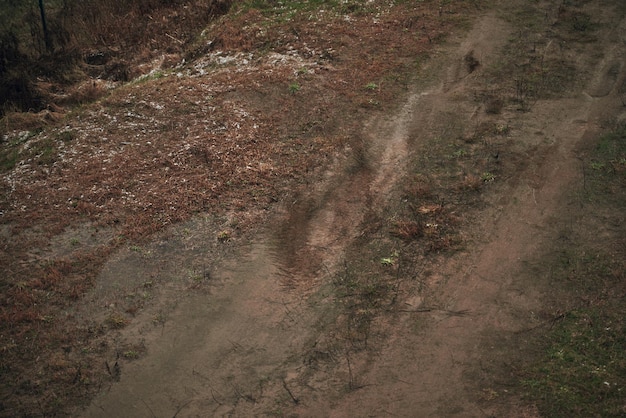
[
  {"x": 407, "y": 230},
  {"x": 471, "y": 182},
  {"x": 87, "y": 92}
]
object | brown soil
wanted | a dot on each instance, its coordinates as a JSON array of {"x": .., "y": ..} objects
[{"x": 371, "y": 262}]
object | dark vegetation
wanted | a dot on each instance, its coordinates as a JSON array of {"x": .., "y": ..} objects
[{"x": 100, "y": 39}]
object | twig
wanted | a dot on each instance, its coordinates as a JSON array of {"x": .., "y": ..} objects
[
  {"x": 214, "y": 398},
  {"x": 174, "y": 39},
  {"x": 236, "y": 346},
  {"x": 461, "y": 312},
  {"x": 148, "y": 406},
  {"x": 549, "y": 321},
  {"x": 582, "y": 163},
  {"x": 193, "y": 372},
  {"x": 350, "y": 383},
  {"x": 293, "y": 398},
  {"x": 414, "y": 310},
  {"x": 288, "y": 311},
  {"x": 248, "y": 398},
  {"x": 181, "y": 407}
]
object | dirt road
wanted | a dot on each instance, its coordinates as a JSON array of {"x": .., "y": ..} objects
[{"x": 269, "y": 335}]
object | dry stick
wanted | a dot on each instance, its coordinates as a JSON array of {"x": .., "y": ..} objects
[
  {"x": 293, "y": 398},
  {"x": 289, "y": 313},
  {"x": 174, "y": 39},
  {"x": 396, "y": 289},
  {"x": 582, "y": 163},
  {"x": 327, "y": 269},
  {"x": 148, "y": 406},
  {"x": 213, "y": 396},
  {"x": 181, "y": 407},
  {"x": 248, "y": 398},
  {"x": 350, "y": 383},
  {"x": 462, "y": 312},
  {"x": 550, "y": 321},
  {"x": 194, "y": 372},
  {"x": 236, "y": 345},
  {"x": 420, "y": 310}
]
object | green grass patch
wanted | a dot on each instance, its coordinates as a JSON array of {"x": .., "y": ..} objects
[
  {"x": 46, "y": 151},
  {"x": 8, "y": 159},
  {"x": 65, "y": 136},
  {"x": 584, "y": 371},
  {"x": 612, "y": 146},
  {"x": 605, "y": 170},
  {"x": 532, "y": 67},
  {"x": 10, "y": 151},
  {"x": 581, "y": 368}
]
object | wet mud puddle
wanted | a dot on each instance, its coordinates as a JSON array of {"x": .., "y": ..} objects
[{"x": 213, "y": 350}]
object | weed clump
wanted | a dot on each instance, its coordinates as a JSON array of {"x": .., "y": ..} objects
[
  {"x": 471, "y": 62},
  {"x": 407, "y": 230}
]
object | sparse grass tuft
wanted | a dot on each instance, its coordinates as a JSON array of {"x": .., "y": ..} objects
[
  {"x": 471, "y": 182},
  {"x": 86, "y": 93},
  {"x": 487, "y": 177},
  {"x": 294, "y": 88},
  {"x": 418, "y": 188},
  {"x": 224, "y": 235},
  {"x": 117, "y": 320},
  {"x": 8, "y": 158},
  {"x": 363, "y": 289},
  {"x": 494, "y": 105},
  {"x": 606, "y": 173},
  {"x": 471, "y": 62},
  {"x": 407, "y": 230}
]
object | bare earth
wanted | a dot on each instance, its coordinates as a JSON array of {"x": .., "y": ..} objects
[
  {"x": 249, "y": 347},
  {"x": 266, "y": 333}
]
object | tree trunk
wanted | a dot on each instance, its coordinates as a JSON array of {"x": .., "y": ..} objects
[{"x": 46, "y": 34}]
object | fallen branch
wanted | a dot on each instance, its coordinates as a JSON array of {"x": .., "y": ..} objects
[
  {"x": 461, "y": 312},
  {"x": 180, "y": 408},
  {"x": 550, "y": 322}
]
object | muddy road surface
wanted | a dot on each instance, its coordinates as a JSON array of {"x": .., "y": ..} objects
[{"x": 268, "y": 333}]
